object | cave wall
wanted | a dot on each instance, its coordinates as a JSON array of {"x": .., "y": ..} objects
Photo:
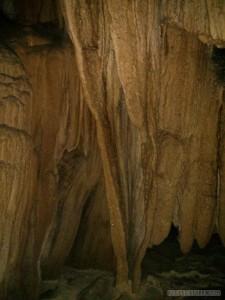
[
  {"x": 50, "y": 163},
  {"x": 109, "y": 140}
]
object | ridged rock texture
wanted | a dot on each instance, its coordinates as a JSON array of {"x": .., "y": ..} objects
[{"x": 110, "y": 138}]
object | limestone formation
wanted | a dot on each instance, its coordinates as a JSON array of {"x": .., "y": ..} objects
[{"x": 111, "y": 130}]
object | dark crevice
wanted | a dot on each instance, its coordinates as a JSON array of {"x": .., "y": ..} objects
[
  {"x": 199, "y": 269},
  {"x": 11, "y": 30},
  {"x": 218, "y": 61}
]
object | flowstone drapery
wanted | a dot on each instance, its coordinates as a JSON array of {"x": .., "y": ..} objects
[{"x": 109, "y": 138}]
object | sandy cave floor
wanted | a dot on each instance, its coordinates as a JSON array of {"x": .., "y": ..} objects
[{"x": 164, "y": 268}]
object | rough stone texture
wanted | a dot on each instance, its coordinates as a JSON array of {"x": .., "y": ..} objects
[{"x": 108, "y": 140}]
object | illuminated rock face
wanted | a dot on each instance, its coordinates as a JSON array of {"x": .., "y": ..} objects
[{"x": 108, "y": 140}]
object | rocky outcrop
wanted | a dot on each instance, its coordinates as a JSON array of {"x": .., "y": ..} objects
[{"x": 109, "y": 140}]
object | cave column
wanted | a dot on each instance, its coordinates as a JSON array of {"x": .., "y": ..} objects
[{"x": 83, "y": 35}]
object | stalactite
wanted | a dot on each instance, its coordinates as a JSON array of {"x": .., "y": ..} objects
[
  {"x": 83, "y": 35},
  {"x": 166, "y": 121},
  {"x": 118, "y": 134}
]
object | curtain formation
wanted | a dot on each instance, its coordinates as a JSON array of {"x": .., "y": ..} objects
[{"x": 109, "y": 141}]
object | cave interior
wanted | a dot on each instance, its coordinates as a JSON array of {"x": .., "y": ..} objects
[{"x": 112, "y": 136}]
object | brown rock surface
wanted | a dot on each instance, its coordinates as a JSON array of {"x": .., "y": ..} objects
[{"x": 107, "y": 141}]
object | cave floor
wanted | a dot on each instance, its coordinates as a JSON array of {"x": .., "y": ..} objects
[{"x": 164, "y": 268}]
